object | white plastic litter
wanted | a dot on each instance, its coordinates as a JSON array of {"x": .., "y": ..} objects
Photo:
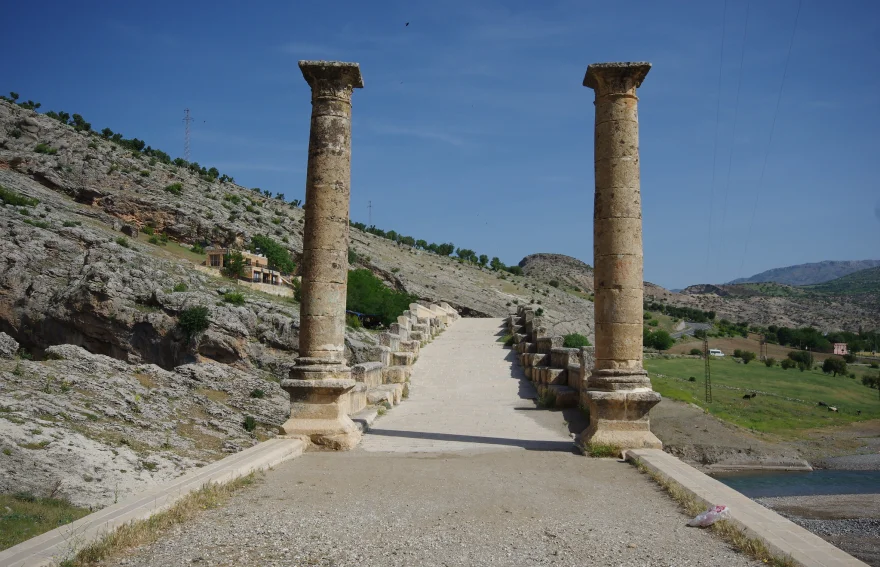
[{"x": 710, "y": 516}]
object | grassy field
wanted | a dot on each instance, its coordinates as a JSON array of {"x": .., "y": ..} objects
[
  {"x": 23, "y": 516},
  {"x": 786, "y": 402}
]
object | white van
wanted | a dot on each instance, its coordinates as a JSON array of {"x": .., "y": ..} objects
[{"x": 716, "y": 352}]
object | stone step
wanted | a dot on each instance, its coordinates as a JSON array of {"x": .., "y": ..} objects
[
  {"x": 364, "y": 419},
  {"x": 402, "y": 358},
  {"x": 547, "y": 344},
  {"x": 548, "y": 375},
  {"x": 356, "y": 399},
  {"x": 370, "y": 373},
  {"x": 535, "y": 359},
  {"x": 565, "y": 397},
  {"x": 397, "y": 374},
  {"x": 563, "y": 357}
]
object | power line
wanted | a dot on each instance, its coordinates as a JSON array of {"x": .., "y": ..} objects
[
  {"x": 186, "y": 119},
  {"x": 770, "y": 138},
  {"x": 715, "y": 149},
  {"x": 742, "y": 57}
]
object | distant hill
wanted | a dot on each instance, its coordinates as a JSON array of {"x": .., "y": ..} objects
[
  {"x": 863, "y": 281},
  {"x": 809, "y": 274}
]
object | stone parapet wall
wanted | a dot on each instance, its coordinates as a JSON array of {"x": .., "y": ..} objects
[
  {"x": 385, "y": 381},
  {"x": 559, "y": 373}
]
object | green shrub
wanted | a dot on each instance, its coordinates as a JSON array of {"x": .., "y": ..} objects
[
  {"x": 174, "y": 188},
  {"x": 747, "y": 356},
  {"x": 234, "y": 199},
  {"x": 353, "y": 321},
  {"x": 9, "y": 197},
  {"x": 258, "y": 393},
  {"x": 197, "y": 248},
  {"x": 233, "y": 265},
  {"x": 834, "y": 365},
  {"x": 653, "y": 323},
  {"x": 233, "y": 297},
  {"x": 147, "y": 229},
  {"x": 575, "y": 340},
  {"x": 249, "y": 423},
  {"x": 539, "y": 311},
  {"x": 769, "y": 362},
  {"x": 194, "y": 321},
  {"x": 144, "y": 173},
  {"x": 692, "y": 379},
  {"x": 154, "y": 240},
  {"x": 277, "y": 255},
  {"x": 122, "y": 241},
  {"x": 646, "y": 315},
  {"x": 787, "y": 363},
  {"x": 696, "y": 352},
  {"x": 369, "y": 295},
  {"x": 874, "y": 365},
  {"x": 45, "y": 149},
  {"x": 180, "y": 287},
  {"x": 70, "y": 223},
  {"x": 36, "y": 223},
  {"x": 554, "y": 283}
]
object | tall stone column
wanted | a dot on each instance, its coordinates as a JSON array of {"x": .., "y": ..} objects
[
  {"x": 320, "y": 378},
  {"x": 618, "y": 390}
]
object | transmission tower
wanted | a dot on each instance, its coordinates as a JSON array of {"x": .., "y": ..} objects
[
  {"x": 763, "y": 347},
  {"x": 186, "y": 120},
  {"x": 708, "y": 372}
]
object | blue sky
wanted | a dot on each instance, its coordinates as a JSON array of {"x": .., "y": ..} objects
[{"x": 474, "y": 127}]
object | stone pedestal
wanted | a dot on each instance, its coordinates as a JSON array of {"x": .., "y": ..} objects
[
  {"x": 618, "y": 389},
  {"x": 321, "y": 377}
]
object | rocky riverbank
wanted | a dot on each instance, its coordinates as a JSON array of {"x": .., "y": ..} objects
[{"x": 848, "y": 521}]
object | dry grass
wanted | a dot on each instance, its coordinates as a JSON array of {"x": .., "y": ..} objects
[
  {"x": 729, "y": 532},
  {"x": 142, "y": 532},
  {"x": 145, "y": 380},
  {"x": 217, "y": 396}
]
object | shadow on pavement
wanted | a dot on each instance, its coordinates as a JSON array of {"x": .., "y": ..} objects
[{"x": 529, "y": 445}]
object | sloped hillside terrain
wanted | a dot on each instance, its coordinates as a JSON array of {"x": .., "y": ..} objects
[
  {"x": 850, "y": 303},
  {"x": 107, "y": 391},
  {"x": 809, "y": 274}
]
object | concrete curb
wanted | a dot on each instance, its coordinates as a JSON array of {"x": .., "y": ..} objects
[
  {"x": 781, "y": 536},
  {"x": 61, "y": 543}
]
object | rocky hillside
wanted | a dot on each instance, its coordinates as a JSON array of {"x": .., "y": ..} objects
[
  {"x": 857, "y": 283},
  {"x": 809, "y": 274},
  {"x": 105, "y": 381}
]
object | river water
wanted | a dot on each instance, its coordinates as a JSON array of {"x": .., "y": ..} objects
[{"x": 762, "y": 484}]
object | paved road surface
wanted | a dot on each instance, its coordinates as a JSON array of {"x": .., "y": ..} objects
[{"x": 465, "y": 473}]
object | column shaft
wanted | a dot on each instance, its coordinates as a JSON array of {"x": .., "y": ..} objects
[{"x": 618, "y": 390}]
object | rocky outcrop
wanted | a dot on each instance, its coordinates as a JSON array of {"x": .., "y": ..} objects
[{"x": 8, "y": 346}]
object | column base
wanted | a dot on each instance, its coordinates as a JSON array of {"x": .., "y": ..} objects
[
  {"x": 316, "y": 411},
  {"x": 620, "y": 418}
]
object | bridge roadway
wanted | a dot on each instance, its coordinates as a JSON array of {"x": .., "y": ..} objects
[{"x": 465, "y": 472}]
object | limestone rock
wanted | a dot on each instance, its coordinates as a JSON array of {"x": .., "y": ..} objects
[{"x": 8, "y": 346}]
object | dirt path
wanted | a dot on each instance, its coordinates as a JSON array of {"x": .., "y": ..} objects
[{"x": 463, "y": 473}]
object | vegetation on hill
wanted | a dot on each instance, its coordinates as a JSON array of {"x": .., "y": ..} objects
[
  {"x": 277, "y": 255},
  {"x": 786, "y": 403},
  {"x": 369, "y": 295},
  {"x": 863, "y": 281},
  {"x": 27, "y": 516}
]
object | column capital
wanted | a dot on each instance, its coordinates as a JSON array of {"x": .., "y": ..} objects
[
  {"x": 334, "y": 78},
  {"x": 616, "y": 78}
]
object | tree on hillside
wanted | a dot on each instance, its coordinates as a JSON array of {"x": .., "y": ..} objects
[
  {"x": 369, "y": 295},
  {"x": 278, "y": 256},
  {"x": 484, "y": 260},
  {"x": 233, "y": 265},
  {"x": 834, "y": 365},
  {"x": 445, "y": 249},
  {"x": 496, "y": 264}
]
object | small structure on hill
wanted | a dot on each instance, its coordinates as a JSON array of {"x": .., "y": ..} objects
[
  {"x": 840, "y": 349},
  {"x": 256, "y": 266}
]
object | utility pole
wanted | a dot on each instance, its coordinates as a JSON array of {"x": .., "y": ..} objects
[
  {"x": 186, "y": 119},
  {"x": 708, "y": 371},
  {"x": 370, "y": 213},
  {"x": 763, "y": 348}
]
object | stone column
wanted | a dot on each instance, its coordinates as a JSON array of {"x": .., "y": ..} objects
[
  {"x": 618, "y": 389},
  {"x": 321, "y": 378}
]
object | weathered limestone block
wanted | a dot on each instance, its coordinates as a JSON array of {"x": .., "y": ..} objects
[
  {"x": 411, "y": 346},
  {"x": 547, "y": 344},
  {"x": 563, "y": 357},
  {"x": 390, "y": 340},
  {"x": 356, "y": 399},
  {"x": 576, "y": 379},
  {"x": 565, "y": 397},
  {"x": 402, "y": 358},
  {"x": 396, "y": 374},
  {"x": 418, "y": 336},
  {"x": 536, "y": 359},
  {"x": 379, "y": 396},
  {"x": 618, "y": 390},
  {"x": 369, "y": 373}
]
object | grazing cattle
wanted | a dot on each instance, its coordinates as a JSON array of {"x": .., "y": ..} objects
[
  {"x": 750, "y": 396},
  {"x": 832, "y": 408},
  {"x": 858, "y": 412},
  {"x": 823, "y": 404}
]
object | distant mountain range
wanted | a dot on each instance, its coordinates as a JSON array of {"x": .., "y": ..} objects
[{"x": 810, "y": 274}]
